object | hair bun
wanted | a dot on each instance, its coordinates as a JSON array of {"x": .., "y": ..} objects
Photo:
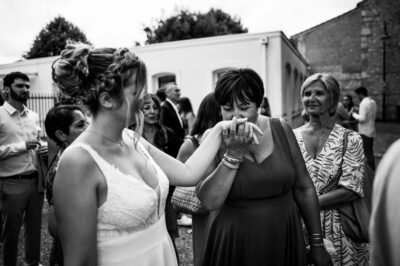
[{"x": 71, "y": 70}]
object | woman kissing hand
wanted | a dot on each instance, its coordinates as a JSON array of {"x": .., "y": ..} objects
[{"x": 238, "y": 133}]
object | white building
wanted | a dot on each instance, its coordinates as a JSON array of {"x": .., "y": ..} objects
[{"x": 196, "y": 64}]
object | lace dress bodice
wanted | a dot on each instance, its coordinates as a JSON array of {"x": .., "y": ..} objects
[{"x": 131, "y": 205}]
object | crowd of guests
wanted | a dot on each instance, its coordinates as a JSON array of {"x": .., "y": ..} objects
[{"x": 268, "y": 188}]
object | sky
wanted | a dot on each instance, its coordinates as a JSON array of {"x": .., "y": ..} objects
[{"x": 119, "y": 23}]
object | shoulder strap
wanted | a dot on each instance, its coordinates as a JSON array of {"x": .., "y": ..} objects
[
  {"x": 144, "y": 150},
  {"x": 101, "y": 163},
  {"x": 194, "y": 140},
  {"x": 277, "y": 125}
]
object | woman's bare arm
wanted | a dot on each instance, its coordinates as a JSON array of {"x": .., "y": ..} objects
[
  {"x": 195, "y": 168},
  {"x": 75, "y": 205},
  {"x": 304, "y": 191}
]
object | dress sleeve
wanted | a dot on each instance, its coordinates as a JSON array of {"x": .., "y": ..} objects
[{"x": 353, "y": 165}]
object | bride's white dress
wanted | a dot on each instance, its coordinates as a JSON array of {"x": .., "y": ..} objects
[{"x": 131, "y": 226}]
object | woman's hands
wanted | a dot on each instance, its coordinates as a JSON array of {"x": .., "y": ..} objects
[
  {"x": 319, "y": 256},
  {"x": 237, "y": 134}
]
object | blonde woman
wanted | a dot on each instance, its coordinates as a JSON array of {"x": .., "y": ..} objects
[{"x": 321, "y": 143}]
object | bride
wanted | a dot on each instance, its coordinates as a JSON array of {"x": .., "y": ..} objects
[{"x": 111, "y": 185}]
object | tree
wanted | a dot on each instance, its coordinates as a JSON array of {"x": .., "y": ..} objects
[
  {"x": 52, "y": 39},
  {"x": 188, "y": 25}
]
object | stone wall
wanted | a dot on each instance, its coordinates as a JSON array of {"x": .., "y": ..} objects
[{"x": 350, "y": 47}]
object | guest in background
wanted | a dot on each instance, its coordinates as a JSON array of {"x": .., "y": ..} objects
[
  {"x": 164, "y": 139},
  {"x": 385, "y": 216},
  {"x": 170, "y": 116},
  {"x": 161, "y": 95},
  {"x": 321, "y": 143},
  {"x": 265, "y": 108},
  {"x": 21, "y": 186},
  {"x": 349, "y": 106},
  {"x": 366, "y": 123},
  {"x": 63, "y": 123},
  {"x": 208, "y": 115},
  {"x": 341, "y": 114},
  {"x": 348, "y": 103},
  {"x": 3, "y": 96},
  {"x": 187, "y": 115}
]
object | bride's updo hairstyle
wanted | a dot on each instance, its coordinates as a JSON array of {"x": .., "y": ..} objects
[{"x": 85, "y": 72}]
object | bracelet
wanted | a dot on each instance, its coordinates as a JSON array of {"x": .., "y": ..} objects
[
  {"x": 231, "y": 159},
  {"x": 316, "y": 239},
  {"x": 230, "y": 165},
  {"x": 316, "y": 236}
]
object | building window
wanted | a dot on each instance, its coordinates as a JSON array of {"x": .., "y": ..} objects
[
  {"x": 301, "y": 79},
  {"x": 161, "y": 79},
  {"x": 165, "y": 79},
  {"x": 295, "y": 100},
  {"x": 217, "y": 74},
  {"x": 287, "y": 91}
]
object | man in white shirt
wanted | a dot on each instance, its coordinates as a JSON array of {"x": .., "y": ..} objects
[
  {"x": 366, "y": 123},
  {"x": 21, "y": 202}
]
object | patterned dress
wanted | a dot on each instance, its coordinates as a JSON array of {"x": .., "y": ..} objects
[{"x": 322, "y": 170}]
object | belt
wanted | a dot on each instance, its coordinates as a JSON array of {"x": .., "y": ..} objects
[{"x": 23, "y": 176}]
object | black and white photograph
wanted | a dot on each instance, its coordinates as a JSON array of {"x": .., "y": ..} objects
[{"x": 199, "y": 133}]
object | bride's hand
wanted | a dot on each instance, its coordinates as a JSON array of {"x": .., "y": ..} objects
[{"x": 238, "y": 133}]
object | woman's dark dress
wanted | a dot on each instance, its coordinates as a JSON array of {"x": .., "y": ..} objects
[
  {"x": 56, "y": 253},
  {"x": 259, "y": 222}
]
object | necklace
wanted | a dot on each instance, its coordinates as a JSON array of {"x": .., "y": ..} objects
[{"x": 106, "y": 138}]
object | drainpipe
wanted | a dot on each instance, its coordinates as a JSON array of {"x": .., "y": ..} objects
[{"x": 384, "y": 38}]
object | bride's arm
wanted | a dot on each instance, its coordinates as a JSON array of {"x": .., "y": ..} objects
[{"x": 194, "y": 169}]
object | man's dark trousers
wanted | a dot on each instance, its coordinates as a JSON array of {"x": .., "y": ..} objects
[
  {"x": 368, "y": 144},
  {"x": 21, "y": 202}
]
